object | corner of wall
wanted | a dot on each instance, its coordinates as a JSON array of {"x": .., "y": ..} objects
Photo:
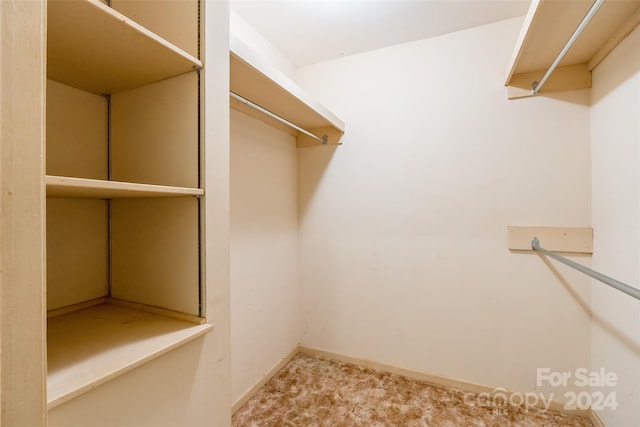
[{"x": 615, "y": 188}]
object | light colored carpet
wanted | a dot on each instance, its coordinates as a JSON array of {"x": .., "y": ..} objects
[{"x": 312, "y": 391}]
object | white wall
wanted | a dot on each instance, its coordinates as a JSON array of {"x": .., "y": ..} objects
[
  {"x": 265, "y": 310},
  {"x": 615, "y": 145},
  {"x": 403, "y": 238}
]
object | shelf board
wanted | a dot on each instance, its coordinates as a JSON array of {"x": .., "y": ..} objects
[
  {"x": 559, "y": 239},
  {"x": 547, "y": 27},
  {"x": 261, "y": 83},
  {"x": 91, "y": 346},
  {"x": 92, "y": 47},
  {"x": 63, "y": 186}
]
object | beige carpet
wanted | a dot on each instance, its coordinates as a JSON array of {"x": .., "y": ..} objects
[{"x": 312, "y": 391}]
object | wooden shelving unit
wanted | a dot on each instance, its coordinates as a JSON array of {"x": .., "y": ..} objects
[
  {"x": 547, "y": 27},
  {"x": 261, "y": 83},
  {"x": 123, "y": 191}
]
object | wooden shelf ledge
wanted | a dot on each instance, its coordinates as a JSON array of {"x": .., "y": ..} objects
[
  {"x": 559, "y": 239},
  {"x": 261, "y": 83},
  {"x": 88, "y": 347},
  {"x": 547, "y": 27},
  {"x": 64, "y": 186},
  {"x": 93, "y": 47}
]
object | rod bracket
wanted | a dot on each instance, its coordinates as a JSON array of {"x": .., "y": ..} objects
[
  {"x": 325, "y": 139},
  {"x": 535, "y": 243},
  {"x": 534, "y": 87}
]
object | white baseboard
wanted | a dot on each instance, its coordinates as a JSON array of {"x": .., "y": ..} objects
[
  {"x": 409, "y": 373},
  {"x": 266, "y": 377},
  {"x": 595, "y": 420}
]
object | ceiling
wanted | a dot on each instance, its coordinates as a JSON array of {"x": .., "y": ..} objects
[{"x": 310, "y": 31}]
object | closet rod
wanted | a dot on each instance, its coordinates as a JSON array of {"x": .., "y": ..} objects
[
  {"x": 536, "y": 86},
  {"x": 324, "y": 139},
  {"x": 622, "y": 287}
]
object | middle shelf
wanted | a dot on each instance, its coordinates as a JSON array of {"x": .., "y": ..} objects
[{"x": 64, "y": 186}]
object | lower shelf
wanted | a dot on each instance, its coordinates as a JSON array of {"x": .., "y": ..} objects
[{"x": 91, "y": 346}]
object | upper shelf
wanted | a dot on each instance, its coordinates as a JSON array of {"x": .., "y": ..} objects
[
  {"x": 93, "y": 47},
  {"x": 261, "y": 83},
  {"x": 547, "y": 27}
]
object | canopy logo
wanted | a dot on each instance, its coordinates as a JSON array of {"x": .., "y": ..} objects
[{"x": 499, "y": 398}]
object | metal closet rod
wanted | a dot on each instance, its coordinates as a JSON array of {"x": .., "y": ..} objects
[
  {"x": 622, "y": 287},
  {"x": 324, "y": 139},
  {"x": 536, "y": 86}
]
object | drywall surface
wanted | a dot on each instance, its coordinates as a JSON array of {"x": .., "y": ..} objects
[
  {"x": 615, "y": 145},
  {"x": 265, "y": 320},
  {"x": 403, "y": 229}
]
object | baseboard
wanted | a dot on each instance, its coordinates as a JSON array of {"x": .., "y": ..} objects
[
  {"x": 409, "y": 373},
  {"x": 266, "y": 377},
  {"x": 595, "y": 420},
  {"x": 438, "y": 379}
]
